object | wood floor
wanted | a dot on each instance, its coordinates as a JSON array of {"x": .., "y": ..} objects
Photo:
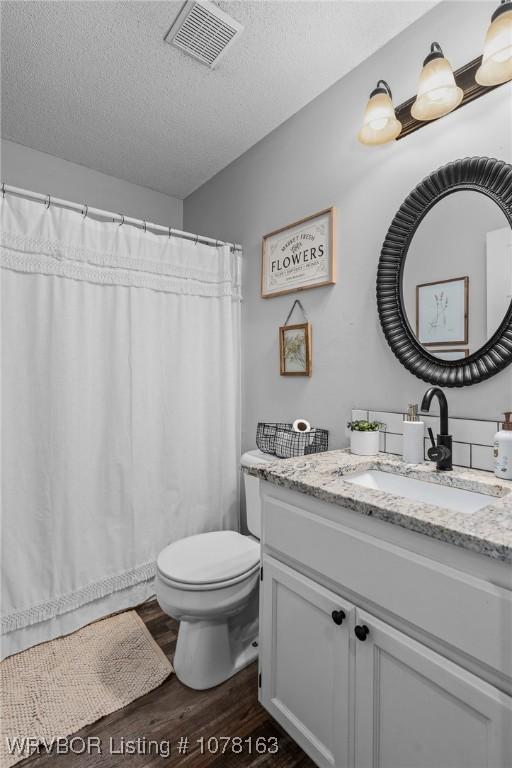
[{"x": 173, "y": 711}]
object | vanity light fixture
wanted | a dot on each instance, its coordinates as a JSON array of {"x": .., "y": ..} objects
[
  {"x": 496, "y": 66},
  {"x": 438, "y": 93},
  {"x": 379, "y": 122}
]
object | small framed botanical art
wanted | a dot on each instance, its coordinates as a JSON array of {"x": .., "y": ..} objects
[
  {"x": 295, "y": 349},
  {"x": 442, "y": 312},
  {"x": 450, "y": 354},
  {"x": 299, "y": 256}
]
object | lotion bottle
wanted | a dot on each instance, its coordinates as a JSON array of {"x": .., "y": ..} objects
[
  {"x": 503, "y": 449},
  {"x": 413, "y": 446}
]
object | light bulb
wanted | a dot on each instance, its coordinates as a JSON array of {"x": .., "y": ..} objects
[
  {"x": 438, "y": 93},
  {"x": 379, "y": 122},
  {"x": 496, "y": 66}
]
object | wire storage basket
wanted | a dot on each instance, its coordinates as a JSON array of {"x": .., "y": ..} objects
[{"x": 283, "y": 441}]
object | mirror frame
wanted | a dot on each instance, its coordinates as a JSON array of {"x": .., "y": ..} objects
[{"x": 490, "y": 177}]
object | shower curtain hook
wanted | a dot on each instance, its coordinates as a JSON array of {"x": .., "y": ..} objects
[
  {"x": 85, "y": 211},
  {"x": 170, "y": 232},
  {"x": 197, "y": 238},
  {"x": 122, "y": 219},
  {"x": 145, "y": 227},
  {"x": 48, "y": 201},
  {"x": 3, "y": 189}
]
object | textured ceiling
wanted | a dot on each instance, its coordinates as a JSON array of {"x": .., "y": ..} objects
[{"x": 94, "y": 82}]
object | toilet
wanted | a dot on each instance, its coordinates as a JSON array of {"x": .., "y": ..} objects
[{"x": 210, "y": 584}]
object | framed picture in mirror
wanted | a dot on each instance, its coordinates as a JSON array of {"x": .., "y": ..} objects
[
  {"x": 442, "y": 312},
  {"x": 450, "y": 354}
]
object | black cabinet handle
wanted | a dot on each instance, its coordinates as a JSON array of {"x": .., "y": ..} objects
[
  {"x": 361, "y": 631},
  {"x": 338, "y": 616}
]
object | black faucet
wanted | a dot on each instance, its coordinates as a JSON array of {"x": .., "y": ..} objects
[{"x": 441, "y": 452}]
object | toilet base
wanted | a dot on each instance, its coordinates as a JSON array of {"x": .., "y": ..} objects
[{"x": 210, "y": 652}]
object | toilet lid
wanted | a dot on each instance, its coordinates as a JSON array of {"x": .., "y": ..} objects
[
  {"x": 256, "y": 457},
  {"x": 209, "y": 557}
]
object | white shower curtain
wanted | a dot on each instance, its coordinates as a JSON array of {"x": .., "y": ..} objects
[{"x": 120, "y": 411}]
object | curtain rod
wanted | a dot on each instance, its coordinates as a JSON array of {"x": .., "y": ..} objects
[{"x": 87, "y": 210}]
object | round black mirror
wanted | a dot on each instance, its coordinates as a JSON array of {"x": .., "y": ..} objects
[{"x": 444, "y": 284}]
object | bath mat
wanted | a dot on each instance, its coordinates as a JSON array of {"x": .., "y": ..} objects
[{"x": 54, "y": 689}]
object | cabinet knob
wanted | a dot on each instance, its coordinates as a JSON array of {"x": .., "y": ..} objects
[
  {"x": 338, "y": 616},
  {"x": 361, "y": 631}
]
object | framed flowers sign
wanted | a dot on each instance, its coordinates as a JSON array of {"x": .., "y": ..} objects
[{"x": 299, "y": 256}]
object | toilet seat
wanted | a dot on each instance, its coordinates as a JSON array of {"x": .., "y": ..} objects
[
  {"x": 206, "y": 586},
  {"x": 209, "y": 561}
]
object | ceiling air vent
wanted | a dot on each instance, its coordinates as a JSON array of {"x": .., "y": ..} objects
[{"x": 203, "y": 31}]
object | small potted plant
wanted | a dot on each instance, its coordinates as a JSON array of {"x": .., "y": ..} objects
[{"x": 364, "y": 437}]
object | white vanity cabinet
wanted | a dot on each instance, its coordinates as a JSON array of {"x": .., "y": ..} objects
[
  {"x": 416, "y": 709},
  {"x": 304, "y": 658},
  {"x": 348, "y": 674}
]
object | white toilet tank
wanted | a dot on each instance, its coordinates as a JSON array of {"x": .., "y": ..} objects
[{"x": 252, "y": 489}]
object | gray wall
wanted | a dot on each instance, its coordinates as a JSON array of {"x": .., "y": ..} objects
[
  {"x": 313, "y": 161},
  {"x": 38, "y": 172}
]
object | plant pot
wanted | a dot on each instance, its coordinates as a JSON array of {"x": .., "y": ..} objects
[{"x": 364, "y": 443}]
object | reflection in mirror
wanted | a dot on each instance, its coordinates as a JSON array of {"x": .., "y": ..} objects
[{"x": 457, "y": 278}]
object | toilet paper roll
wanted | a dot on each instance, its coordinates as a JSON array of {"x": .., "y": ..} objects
[{"x": 301, "y": 425}]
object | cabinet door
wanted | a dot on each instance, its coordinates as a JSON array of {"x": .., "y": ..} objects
[
  {"x": 416, "y": 709},
  {"x": 304, "y": 662}
]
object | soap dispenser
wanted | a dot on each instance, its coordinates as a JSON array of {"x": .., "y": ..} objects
[
  {"x": 413, "y": 446},
  {"x": 503, "y": 449}
]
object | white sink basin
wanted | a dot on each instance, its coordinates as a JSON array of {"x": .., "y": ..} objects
[{"x": 444, "y": 496}]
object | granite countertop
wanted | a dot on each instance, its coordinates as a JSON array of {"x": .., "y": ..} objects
[{"x": 487, "y": 531}]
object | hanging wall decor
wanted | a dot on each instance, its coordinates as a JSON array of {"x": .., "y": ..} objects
[
  {"x": 299, "y": 256},
  {"x": 295, "y": 346}
]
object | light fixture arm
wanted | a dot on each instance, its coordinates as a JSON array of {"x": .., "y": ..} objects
[
  {"x": 382, "y": 87},
  {"x": 436, "y": 52},
  {"x": 503, "y": 7}
]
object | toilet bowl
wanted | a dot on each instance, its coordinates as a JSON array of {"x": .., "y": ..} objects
[{"x": 210, "y": 583}]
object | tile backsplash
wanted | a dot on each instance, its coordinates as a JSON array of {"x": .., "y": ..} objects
[{"x": 472, "y": 438}]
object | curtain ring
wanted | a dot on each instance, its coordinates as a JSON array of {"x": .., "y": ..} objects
[
  {"x": 85, "y": 211},
  {"x": 48, "y": 201},
  {"x": 122, "y": 219}
]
